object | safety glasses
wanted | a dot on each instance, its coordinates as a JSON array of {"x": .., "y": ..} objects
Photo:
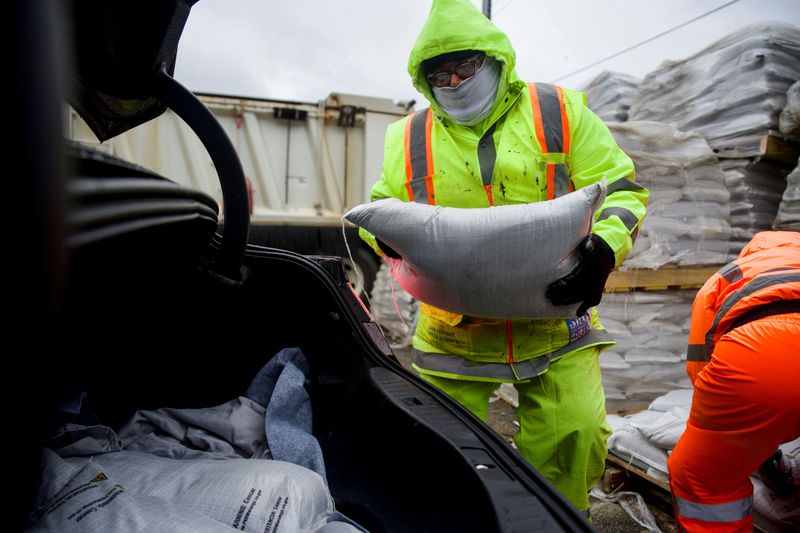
[{"x": 464, "y": 70}]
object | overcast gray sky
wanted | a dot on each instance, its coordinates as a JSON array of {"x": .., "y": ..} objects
[{"x": 305, "y": 49}]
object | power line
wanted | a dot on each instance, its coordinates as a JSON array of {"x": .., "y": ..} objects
[
  {"x": 653, "y": 38},
  {"x": 502, "y": 8}
]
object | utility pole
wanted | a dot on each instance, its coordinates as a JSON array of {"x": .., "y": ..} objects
[{"x": 487, "y": 9}]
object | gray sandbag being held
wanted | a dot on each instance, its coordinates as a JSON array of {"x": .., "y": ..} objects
[{"x": 494, "y": 262}]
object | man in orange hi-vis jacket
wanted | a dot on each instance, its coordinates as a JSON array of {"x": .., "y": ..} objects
[{"x": 744, "y": 362}]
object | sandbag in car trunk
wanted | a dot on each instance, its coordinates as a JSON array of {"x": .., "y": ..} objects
[{"x": 127, "y": 489}]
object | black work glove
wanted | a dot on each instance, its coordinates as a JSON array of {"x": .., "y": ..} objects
[
  {"x": 387, "y": 250},
  {"x": 587, "y": 281},
  {"x": 776, "y": 476}
]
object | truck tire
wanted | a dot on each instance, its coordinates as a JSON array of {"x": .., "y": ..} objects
[{"x": 361, "y": 271}]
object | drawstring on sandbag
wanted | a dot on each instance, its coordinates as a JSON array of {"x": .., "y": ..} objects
[{"x": 391, "y": 278}]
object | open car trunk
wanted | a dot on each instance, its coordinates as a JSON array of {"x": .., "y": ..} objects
[{"x": 152, "y": 315}]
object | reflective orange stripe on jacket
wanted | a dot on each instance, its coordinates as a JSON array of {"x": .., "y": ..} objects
[
  {"x": 552, "y": 131},
  {"x": 419, "y": 158},
  {"x": 762, "y": 281}
]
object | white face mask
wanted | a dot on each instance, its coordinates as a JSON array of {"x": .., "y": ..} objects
[{"x": 472, "y": 100}]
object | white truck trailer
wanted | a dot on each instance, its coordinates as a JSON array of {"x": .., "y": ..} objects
[{"x": 308, "y": 163}]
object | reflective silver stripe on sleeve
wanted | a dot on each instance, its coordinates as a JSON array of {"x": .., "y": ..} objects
[
  {"x": 453, "y": 364},
  {"x": 561, "y": 180},
  {"x": 625, "y": 215},
  {"x": 698, "y": 353},
  {"x": 624, "y": 184},
  {"x": 731, "y": 272},
  {"x": 419, "y": 156},
  {"x": 550, "y": 108},
  {"x": 755, "y": 285},
  {"x": 487, "y": 155},
  {"x": 721, "y": 512}
]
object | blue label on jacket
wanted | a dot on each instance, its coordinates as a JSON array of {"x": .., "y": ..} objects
[{"x": 578, "y": 327}]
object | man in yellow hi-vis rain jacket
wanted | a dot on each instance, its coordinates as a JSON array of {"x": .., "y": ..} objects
[{"x": 491, "y": 139}]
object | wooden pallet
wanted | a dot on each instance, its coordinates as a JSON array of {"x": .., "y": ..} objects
[
  {"x": 771, "y": 146},
  {"x": 622, "y": 476},
  {"x": 611, "y": 458},
  {"x": 777, "y": 149},
  {"x": 668, "y": 277}
]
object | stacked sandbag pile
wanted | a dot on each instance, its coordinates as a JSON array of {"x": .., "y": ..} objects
[
  {"x": 756, "y": 187},
  {"x": 651, "y": 330},
  {"x": 789, "y": 120},
  {"x": 688, "y": 216},
  {"x": 610, "y": 95},
  {"x": 788, "y": 217},
  {"x": 644, "y": 439},
  {"x": 732, "y": 93}
]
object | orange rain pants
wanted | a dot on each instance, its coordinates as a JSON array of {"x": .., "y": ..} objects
[{"x": 746, "y": 402}]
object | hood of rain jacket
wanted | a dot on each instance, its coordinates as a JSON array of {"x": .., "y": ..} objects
[{"x": 455, "y": 25}]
